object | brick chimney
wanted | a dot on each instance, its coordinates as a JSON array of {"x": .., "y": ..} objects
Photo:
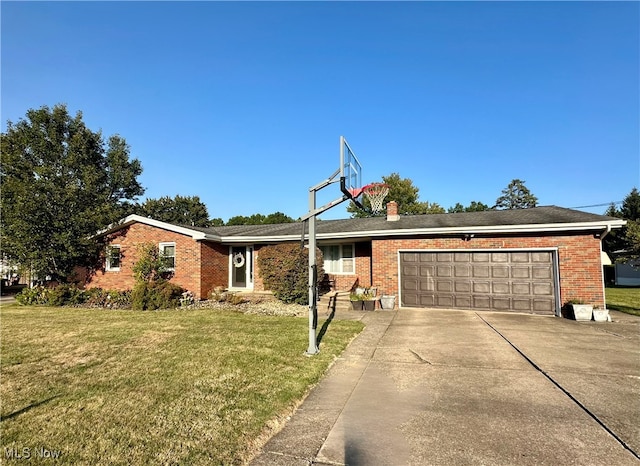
[{"x": 392, "y": 211}]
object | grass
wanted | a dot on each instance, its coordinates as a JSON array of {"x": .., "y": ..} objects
[
  {"x": 164, "y": 387},
  {"x": 625, "y": 299}
]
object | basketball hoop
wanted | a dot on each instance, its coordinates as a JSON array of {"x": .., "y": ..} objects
[{"x": 376, "y": 192}]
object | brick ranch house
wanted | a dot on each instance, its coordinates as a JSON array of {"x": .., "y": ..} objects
[{"x": 527, "y": 260}]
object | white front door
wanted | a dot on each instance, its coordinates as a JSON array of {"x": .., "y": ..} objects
[{"x": 241, "y": 267}]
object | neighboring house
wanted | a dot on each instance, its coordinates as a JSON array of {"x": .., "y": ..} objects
[{"x": 526, "y": 260}]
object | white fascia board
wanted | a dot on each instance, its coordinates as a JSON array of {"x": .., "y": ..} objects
[
  {"x": 133, "y": 218},
  {"x": 532, "y": 228}
]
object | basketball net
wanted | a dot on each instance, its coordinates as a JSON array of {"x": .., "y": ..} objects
[{"x": 376, "y": 192}]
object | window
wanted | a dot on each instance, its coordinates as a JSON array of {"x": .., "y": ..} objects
[
  {"x": 339, "y": 258},
  {"x": 113, "y": 257},
  {"x": 168, "y": 255}
]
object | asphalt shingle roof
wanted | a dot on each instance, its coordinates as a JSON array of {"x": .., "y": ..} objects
[{"x": 548, "y": 215}]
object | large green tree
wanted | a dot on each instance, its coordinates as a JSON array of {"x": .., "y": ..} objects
[
  {"x": 625, "y": 242},
  {"x": 516, "y": 196},
  {"x": 60, "y": 183},
  {"x": 401, "y": 190},
  {"x": 180, "y": 210}
]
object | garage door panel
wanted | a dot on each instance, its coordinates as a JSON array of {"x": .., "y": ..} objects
[
  {"x": 545, "y": 289},
  {"x": 520, "y": 272},
  {"x": 542, "y": 305},
  {"x": 522, "y": 305},
  {"x": 501, "y": 287},
  {"x": 521, "y": 289},
  {"x": 427, "y": 300},
  {"x": 521, "y": 281},
  {"x": 481, "y": 302},
  {"x": 520, "y": 257},
  {"x": 445, "y": 300},
  {"x": 463, "y": 301},
  {"x": 462, "y": 286},
  {"x": 501, "y": 304},
  {"x": 479, "y": 257},
  {"x": 444, "y": 286},
  {"x": 497, "y": 257},
  {"x": 541, "y": 257},
  {"x": 427, "y": 285},
  {"x": 500, "y": 271},
  {"x": 427, "y": 271},
  {"x": 482, "y": 288},
  {"x": 542, "y": 273},
  {"x": 410, "y": 270}
]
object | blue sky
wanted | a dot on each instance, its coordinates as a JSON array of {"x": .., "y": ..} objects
[{"x": 243, "y": 103}]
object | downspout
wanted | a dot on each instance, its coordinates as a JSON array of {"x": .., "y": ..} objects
[{"x": 602, "y": 236}]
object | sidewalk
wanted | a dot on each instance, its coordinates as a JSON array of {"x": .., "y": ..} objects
[{"x": 458, "y": 387}]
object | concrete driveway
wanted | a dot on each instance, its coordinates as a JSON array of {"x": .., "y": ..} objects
[{"x": 448, "y": 387}]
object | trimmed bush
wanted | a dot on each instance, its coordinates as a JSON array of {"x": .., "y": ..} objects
[
  {"x": 284, "y": 269},
  {"x": 157, "y": 294}
]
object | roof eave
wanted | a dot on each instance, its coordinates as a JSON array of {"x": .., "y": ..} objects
[
  {"x": 531, "y": 228},
  {"x": 133, "y": 218}
]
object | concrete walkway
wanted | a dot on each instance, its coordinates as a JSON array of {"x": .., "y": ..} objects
[{"x": 440, "y": 387}]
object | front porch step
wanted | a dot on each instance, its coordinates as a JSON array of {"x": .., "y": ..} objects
[{"x": 338, "y": 300}]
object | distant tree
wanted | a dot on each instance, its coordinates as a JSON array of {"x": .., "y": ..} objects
[
  {"x": 181, "y": 210},
  {"x": 516, "y": 196},
  {"x": 60, "y": 184},
  {"x": 401, "y": 190},
  {"x": 625, "y": 242},
  {"x": 259, "y": 219},
  {"x": 216, "y": 222},
  {"x": 277, "y": 217},
  {"x": 473, "y": 207}
]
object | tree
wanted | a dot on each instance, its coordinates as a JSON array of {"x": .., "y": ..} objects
[
  {"x": 516, "y": 196},
  {"x": 181, "y": 210},
  {"x": 404, "y": 193},
  {"x": 60, "y": 184},
  {"x": 259, "y": 219},
  {"x": 473, "y": 207},
  {"x": 625, "y": 242}
]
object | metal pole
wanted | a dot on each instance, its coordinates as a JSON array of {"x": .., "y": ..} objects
[{"x": 313, "y": 309}]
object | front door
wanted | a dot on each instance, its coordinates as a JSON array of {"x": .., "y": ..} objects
[{"x": 241, "y": 267}]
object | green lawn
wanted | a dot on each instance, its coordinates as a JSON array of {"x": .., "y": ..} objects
[
  {"x": 165, "y": 387},
  {"x": 625, "y": 299}
]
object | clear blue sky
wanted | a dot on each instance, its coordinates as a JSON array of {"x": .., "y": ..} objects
[{"x": 243, "y": 103}]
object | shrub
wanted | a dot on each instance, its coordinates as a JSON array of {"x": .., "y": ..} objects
[
  {"x": 32, "y": 296},
  {"x": 284, "y": 269},
  {"x": 158, "y": 294}
]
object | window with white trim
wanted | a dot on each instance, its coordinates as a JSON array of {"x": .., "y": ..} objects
[
  {"x": 112, "y": 263},
  {"x": 339, "y": 258},
  {"x": 168, "y": 256}
]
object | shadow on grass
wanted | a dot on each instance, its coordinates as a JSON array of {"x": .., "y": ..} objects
[
  {"x": 325, "y": 326},
  {"x": 625, "y": 309},
  {"x": 28, "y": 407}
]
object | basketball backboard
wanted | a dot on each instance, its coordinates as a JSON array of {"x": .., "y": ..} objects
[{"x": 350, "y": 171}]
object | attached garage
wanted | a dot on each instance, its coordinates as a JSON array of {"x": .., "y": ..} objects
[{"x": 499, "y": 280}]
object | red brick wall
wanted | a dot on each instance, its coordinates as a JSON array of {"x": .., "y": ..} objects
[
  {"x": 214, "y": 267},
  {"x": 188, "y": 257},
  {"x": 578, "y": 257}
]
